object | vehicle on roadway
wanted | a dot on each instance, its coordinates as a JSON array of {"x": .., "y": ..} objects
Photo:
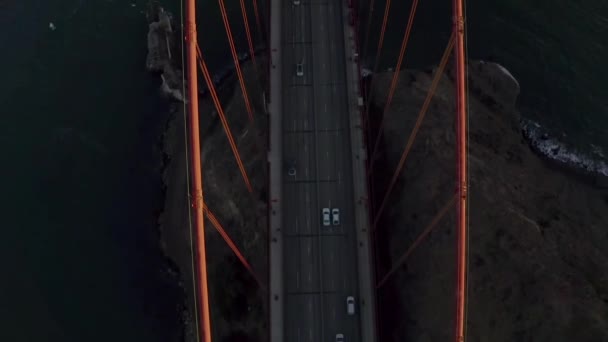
[
  {"x": 296, "y": 2},
  {"x": 350, "y": 305},
  {"x": 299, "y": 69},
  {"x": 325, "y": 212},
  {"x": 339, "y": 337},
  {"x": 335, "y": 215}
]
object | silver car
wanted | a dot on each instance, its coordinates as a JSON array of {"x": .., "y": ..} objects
[
  {"x": 335, "y": 215},
  {"x": 350, "y": 305},
  {"x": 325, "y": 213},
  {"x": 339, "y": 337}
]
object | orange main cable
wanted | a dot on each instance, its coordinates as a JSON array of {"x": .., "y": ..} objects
[
  {"x": 222, "y": 115},
  {"x": 412, "y": 136},
  {"x": 218, "y": 227},
  {"x": 391, "y": 92},
  {"x": 197, "y": 176},
  {"x": 461, "y": 136},
  {"x": 248, "y": 34},
  {"x": 235, "y": 57}
]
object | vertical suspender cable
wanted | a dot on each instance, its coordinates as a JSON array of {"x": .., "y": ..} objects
[{"x": 461, "y": 173}]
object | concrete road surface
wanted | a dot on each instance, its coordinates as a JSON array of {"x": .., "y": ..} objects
[{"x": 319, "y": 263}]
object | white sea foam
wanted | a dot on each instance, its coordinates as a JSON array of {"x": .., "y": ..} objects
[{"x": 556, "y": 150}]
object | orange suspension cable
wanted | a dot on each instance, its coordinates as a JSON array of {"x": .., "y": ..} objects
[
  {"x": 461, "y": 136},
  {"x": 418, "y": 240},
  {"x": 220, "y": 111},
  {"x": 249, "y": 41},
  {"x": 421, "y": 116},
  {"x": 231, "y": 244},
  {"x": 406, "y": 37},
  {"x": 237, "y": 64},
  {"x": 197, "y": 176}
]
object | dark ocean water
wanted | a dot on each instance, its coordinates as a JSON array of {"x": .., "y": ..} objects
[{"x": 81, "y": 119}]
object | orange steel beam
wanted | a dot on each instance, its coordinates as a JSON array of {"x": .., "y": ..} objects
[
  {"x": 197, "y": 177},
  {"x": 216, "y": 224},
  {"x": 414, "y": 132},
  {"x": 461, "y": 107},
  {"x": 418, "y": 240},
  {"x": 220, "y": 111},
  {"x": 237, "y": 64},
  {"x": 391, "y": 92}
]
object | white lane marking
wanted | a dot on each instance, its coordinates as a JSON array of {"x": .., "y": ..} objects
[
  {"x": 310, "y": 334},
  {"x": 305, "y": 123},
  {"x": 325, "y": 107},
  {"x": 309, "y": 250},
  {"x": 299, "y": 333}
]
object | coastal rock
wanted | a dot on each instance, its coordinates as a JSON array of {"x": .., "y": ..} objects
[
  {"x": 537, "y": 235},
  {"x": 161, "y": 43}
]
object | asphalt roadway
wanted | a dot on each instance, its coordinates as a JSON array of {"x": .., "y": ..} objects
[{"x": 319, "y": 263}]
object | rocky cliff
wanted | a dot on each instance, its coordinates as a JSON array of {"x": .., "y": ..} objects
[{"x": 538, "y": 235}]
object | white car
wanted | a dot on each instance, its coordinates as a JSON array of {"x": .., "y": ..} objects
[
  {"x": 335, "y": 215},
  {"x": 296, "y": 2},
  {"x": 299, "y": 69},
  {"x": 339, "y": 337},
  {"x": 325, "y": 212},
  {"x": 350, "y": 305}
]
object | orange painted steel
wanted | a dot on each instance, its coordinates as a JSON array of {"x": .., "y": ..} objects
[
  {"x": 197, "y": 176},
  {"x": 235, "y": 57},
  {"x": 412, "y": 137},
  {"x": 391, "y": 92},
  {"x": 418, "y": 240},
  {"x": 248, "y": 33},
  {"x": 461, "y": 136},
  {"x": 220, "y": 111},
  {"x": 216, "y": 224}
]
